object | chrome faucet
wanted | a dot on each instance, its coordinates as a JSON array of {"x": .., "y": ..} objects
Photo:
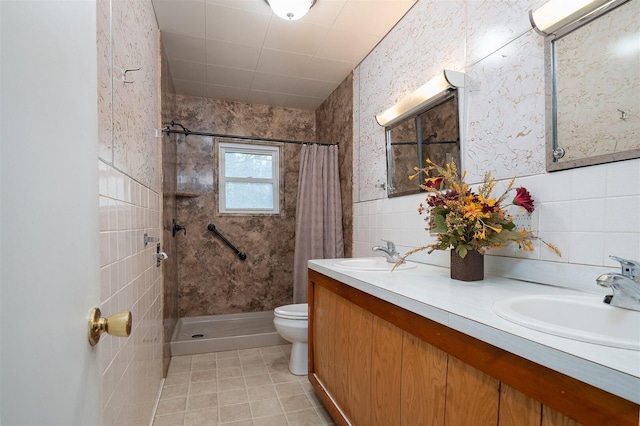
[
  {"x": 625, "y": 285},
  {"x": 389, "y": 251}
]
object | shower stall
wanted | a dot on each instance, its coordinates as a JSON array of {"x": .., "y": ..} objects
[
  {"x": 224, "y": 280},
  {"x": 213, "y": 333},
  {"x": 214, "y": 300}
]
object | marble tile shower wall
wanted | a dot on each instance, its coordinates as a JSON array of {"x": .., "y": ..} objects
[
  {"x": 211, "y": 278},
  {"x": 589, "y": 213},
  {"x": 130, "y": 173},
  {"x": 334, "y": 123}
]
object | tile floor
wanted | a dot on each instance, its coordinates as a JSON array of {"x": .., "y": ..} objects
[{"x": 243, "y": 387}]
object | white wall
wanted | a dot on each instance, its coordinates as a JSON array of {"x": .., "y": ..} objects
[
  {"x": 81, "y": 184},
  {"x": 589, "y": 213}
]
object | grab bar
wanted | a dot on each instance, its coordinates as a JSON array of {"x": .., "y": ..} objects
[{"x": 211, "y": 227}]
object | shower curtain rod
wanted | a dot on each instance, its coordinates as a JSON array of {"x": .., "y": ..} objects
[{"x": 187, "y": 132}]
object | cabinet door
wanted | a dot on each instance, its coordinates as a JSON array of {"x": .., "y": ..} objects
[
  {"x": 324, "y": 324},
  {"x": 424, "y": 383},
  {"x": 551, "y": 417},
  {"x": 360, "y": 339},
  {"x": 340, "y": 342},
  {"x": 472, "y": 396},
  {"x": 517, "y": 409},
  {"x": 386, "y": 373}
]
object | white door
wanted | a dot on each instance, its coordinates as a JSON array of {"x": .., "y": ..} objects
[{"x": 49, "y": 252}]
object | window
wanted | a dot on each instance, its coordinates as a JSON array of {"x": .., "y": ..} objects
[{"x": 248, "y": 178}]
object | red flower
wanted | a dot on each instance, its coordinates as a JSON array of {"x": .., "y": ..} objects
[
  {"x": 433, "y": 182},
  {"x": 442, "y": 197},
  {"x": 523, "y": 199}
]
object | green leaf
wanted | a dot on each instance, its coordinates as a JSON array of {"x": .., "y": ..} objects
[
  {"x": 440, "y": 224},
  {"x": 508, "y": 225}
]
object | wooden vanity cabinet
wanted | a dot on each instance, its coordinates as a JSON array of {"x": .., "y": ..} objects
[{"x": 374, "y": 363}]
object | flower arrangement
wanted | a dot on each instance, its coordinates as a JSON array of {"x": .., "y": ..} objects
[{"x": 468, "y": 220}]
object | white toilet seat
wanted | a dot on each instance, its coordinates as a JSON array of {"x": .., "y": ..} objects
[{"x": 298, "y": 311}]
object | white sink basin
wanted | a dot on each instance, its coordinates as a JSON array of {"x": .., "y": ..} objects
[
  {"x": 370, "y": 264},
  {"x": 584, "y": 318}
]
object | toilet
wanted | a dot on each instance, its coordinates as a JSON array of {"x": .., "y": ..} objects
[{"x": 292, "y": 322}]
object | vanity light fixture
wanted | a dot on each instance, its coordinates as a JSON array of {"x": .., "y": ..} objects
[
  {"x": 421, "y": 98},
  {"x": 290, "y": 9},
  {"x": 556, "y": 14}
]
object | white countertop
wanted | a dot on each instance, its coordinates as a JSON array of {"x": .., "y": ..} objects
[{"x": 466, "y": 306}]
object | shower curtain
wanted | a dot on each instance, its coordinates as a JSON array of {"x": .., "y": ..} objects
[{"x": 318, "y": 213}]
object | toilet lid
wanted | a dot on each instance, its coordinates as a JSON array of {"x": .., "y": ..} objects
[{"x": 297, "y": 311}]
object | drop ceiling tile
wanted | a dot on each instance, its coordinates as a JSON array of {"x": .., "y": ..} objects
[
  {"x": 328, "y": 70},
  {"x": 236, "y": 26},
  {"x": 220, "y": 43},
  {"x": 232, "y": 55},
  {"x": 373, "y": 17},
  {"x": 314, "y": 88},
  {"x": 324, "y": 12},
  {"x": 266, "y": 98},
  {"x": 181, "y": 17},
  {"x": 189, "y": 88},
  {"x": 285, "y": 63},
  {"x": 255, "y": 6},
  {"x": 294, "y": 36},
  {"x": 185, "y": 48},
  {"x": 227, "y": 93},
  {"x": 232, "y": 77},
  {"x": 346, "y": 46},
  {"x": 303, "y": 102},
  {"x": 274, "y": 83},
  {"x": 191, "y": 71}
]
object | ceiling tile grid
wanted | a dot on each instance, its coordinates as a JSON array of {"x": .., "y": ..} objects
[{"x": 238, "y": 50}]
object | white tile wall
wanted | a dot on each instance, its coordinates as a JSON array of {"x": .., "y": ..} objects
[
  {"x": 129, "y": 281},
  {"x": 586, "y": 228}
]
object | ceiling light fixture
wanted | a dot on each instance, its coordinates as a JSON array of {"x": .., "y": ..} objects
[
  {"x": 425, "y": 95},
  {"x": 556, "y": 14},
  {"x": 290, "y": 9}
]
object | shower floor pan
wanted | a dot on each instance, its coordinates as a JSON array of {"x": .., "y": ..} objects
[{"x": 214, "y": 333}]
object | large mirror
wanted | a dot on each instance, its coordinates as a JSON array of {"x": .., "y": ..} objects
[
  {"x": 434, "y": 134},
  {"x": 593, "y": 102}
]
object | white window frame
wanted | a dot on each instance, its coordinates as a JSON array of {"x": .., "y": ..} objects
[{"x": 273, "y": 151}]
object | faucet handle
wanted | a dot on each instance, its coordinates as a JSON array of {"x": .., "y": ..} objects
[
  {"x": 390, "y": 245},
  {"x": 630, "y": 268}
]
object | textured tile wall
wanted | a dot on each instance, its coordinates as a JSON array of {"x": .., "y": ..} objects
[
  {"x": 212, "y": 280},
  {"x": 421, "y": 45},
  {"x": 129, "y": 206},
  {"x": 589, "y": 213},
  {"x": 334, "y": 123},
  {"x": 128, "y": 38}
]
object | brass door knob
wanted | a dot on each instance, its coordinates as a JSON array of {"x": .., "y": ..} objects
[{"x": 116, "y": 325}]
